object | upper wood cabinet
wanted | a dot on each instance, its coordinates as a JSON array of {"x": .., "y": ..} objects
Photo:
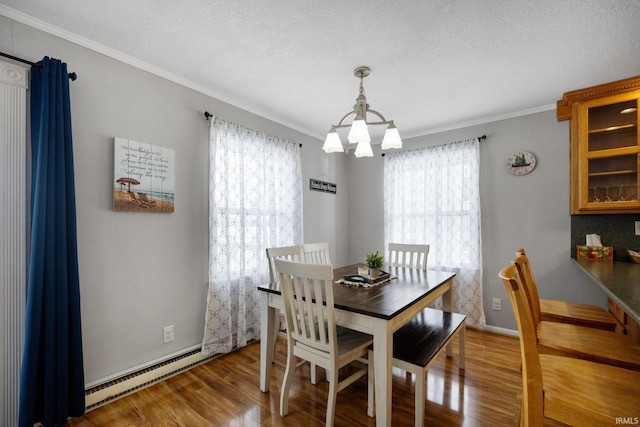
[{"x": 605, "y": 147}]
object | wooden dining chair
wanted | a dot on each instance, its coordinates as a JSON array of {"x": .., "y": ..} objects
[
  {"x": 417, "y": 344},
  {"x": 312, "y": 333},
  {"x": 571, "y": 391},
  {"x": 588, "y": 315},
  {"x": 573, "y": 340},
  {"x": 316, "y": 253},
  {"x": 408, "y": 255}
]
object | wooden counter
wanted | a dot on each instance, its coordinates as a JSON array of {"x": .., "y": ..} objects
[{"x": 621, "y": 282}]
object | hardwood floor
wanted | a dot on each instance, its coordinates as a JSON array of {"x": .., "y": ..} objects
[{"x": 226, "y": 392}]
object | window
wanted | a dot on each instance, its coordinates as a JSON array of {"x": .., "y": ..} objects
[
  {"x": 255, "y": 203},
  {"x": 432, "y": 196}
]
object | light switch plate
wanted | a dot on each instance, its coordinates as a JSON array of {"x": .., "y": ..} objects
[{"x": 637, "y": 228}]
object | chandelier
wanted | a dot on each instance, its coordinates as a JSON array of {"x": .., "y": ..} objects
[{"x": 359, "y": 133}]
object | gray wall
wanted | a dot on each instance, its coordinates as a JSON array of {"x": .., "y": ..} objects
[
  {"x": 140, "y": 272},
  {"x": 530, "y": 211}
]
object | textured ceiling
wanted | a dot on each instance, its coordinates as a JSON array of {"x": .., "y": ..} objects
[{"x": 435, "y": 64}]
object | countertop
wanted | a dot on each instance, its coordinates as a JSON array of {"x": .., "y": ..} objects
[{"x": 619, "y": 279}]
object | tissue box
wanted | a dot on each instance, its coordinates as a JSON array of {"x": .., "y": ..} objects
[{"x": 594, "y": 252}]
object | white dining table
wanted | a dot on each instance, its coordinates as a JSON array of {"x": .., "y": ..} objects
[{"x": 379, "y": 310}]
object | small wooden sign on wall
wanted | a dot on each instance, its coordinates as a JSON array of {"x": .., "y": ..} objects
[{"x": 325, "y": 187}]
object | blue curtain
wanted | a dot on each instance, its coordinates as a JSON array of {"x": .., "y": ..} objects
[{"x": 52, "y": 377}]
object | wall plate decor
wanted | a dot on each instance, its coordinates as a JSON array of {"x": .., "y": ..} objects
[
  {"x": 144, "y": 177},
  {"x": 521, "y": 163}
]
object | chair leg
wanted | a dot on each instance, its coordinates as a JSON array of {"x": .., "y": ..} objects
[
  {"x": 333, "y": 391},
  {"x": 420, "y": 396},
  {"x": 314, "y": 373},
  {"x": 276, "y": 331},
  {"x": 286, "y": 381}
]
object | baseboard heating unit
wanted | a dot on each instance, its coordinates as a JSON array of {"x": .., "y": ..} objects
[{"x": 123, "y": 385}]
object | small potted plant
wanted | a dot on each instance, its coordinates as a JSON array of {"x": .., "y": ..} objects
[{"x": 374, "y": 262}]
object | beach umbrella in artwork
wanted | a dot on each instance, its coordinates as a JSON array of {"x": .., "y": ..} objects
[{"x": 129, "y": 181}]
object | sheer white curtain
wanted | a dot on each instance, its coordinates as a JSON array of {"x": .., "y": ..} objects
[
  {"x": 432, "y": 195},
  {"x": 255, "y": 202}
]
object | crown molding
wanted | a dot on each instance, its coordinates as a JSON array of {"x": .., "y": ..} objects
[{"x": 569, "y": 98}]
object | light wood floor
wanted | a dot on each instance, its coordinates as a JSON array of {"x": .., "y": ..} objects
[{"x": 226, "y": 392}]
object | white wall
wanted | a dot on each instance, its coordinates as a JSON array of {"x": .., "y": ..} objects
[
  {"x": 140, "y": 272},
  {"x": 530, "y": 211}
]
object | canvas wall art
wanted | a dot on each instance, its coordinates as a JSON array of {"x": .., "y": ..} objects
[{"x": 144, "y": 177}]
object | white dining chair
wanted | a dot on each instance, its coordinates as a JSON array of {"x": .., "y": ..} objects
[
  {"x": 408, "y": 255},
  {"x": 316, "y": 253},
  {"x": 312, "y": 333},
  {"x": 291, "y": 253}
]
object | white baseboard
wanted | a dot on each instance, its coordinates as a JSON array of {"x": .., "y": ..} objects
[
  {"x": 142, "y": 377},
  {"x": 497, "y": 330}
]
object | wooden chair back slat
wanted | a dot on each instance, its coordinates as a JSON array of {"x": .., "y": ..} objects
[
  {"x": 532, "y": 386},
  {"x": 531, "y": 288}
]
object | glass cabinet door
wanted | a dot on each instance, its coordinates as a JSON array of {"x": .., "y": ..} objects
[{"x": 608, "y": 147}]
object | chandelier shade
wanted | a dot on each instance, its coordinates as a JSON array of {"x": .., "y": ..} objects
[
  {"x": 391, "y": 138},
  {"x": 359, "y": 127},
  {"x": 359, "y": 131},
  {"x": 332, "y": 143},
  {"x": 363, "y": 149}
]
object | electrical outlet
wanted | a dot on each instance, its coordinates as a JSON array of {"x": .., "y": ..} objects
[
  {"x": 497, "y": 304},
  {"x": 637, "y": 228},
  {"x": 168, "y": 333}
]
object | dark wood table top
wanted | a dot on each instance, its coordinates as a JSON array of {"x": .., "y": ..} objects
[
  {"x": 386, "y": 300},
  {"x": 619, "y": 279}
]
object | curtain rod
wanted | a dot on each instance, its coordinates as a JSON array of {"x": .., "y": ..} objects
[
  {"x": 208, "y": 115},
  {"x": 480, "y": 138},
  {"x": 72, "y": 76}
]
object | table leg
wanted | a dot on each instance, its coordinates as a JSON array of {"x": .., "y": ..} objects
[
  {"x": 383, "y": 365},
  {"x": 447, "y": 305},
  {"x": 267, "y": 340}
]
